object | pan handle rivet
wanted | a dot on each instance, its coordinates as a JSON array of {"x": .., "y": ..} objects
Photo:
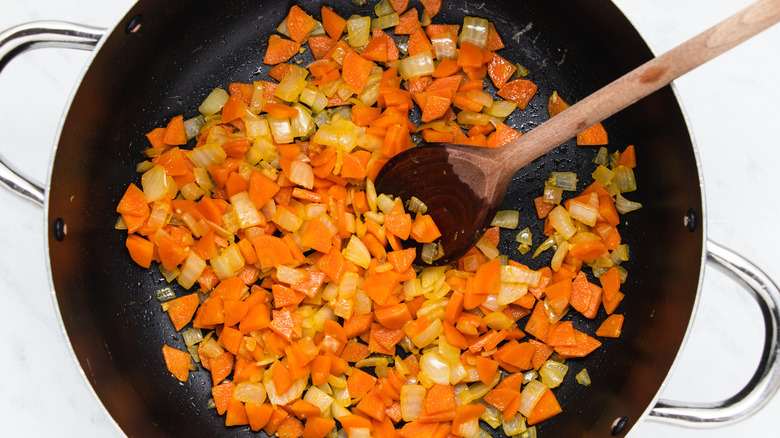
[
  {"x": 134, "y": 25},
  {"x": 690, "y": 220},
  {"x": 618, "y": 425},
  {"x": 60, "y": 229}
]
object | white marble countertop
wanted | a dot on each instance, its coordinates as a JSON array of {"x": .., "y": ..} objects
[{"x": 732, "y": 108}]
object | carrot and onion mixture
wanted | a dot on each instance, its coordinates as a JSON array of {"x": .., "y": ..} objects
[{"x": 302, "y": 299}]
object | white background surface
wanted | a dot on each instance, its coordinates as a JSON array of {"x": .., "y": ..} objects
[{"x": 732, "y": 108}]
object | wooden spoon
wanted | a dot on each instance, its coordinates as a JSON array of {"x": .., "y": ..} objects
[{"x": 463, "y": 186}]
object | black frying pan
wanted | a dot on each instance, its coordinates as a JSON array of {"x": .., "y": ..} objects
[{"x": 163, "y": 59}]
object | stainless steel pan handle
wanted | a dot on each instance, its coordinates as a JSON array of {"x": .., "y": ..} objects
[
  {"x": 766, "y": 380},
  {"x": 34, "y": 35}
]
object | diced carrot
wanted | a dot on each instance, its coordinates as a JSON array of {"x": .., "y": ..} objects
[
  {"x": 424, "y": 230},
  {"x": 299, "y": 24},
  {"x": 333, "y": 23},
  {"x": 318, "y": 427},
  {"x": 500, "y": 70},
  {"x": 432, "y": 7},
  {"x": 177, "y": 362},
  {"x": 280, "y": 50},
  {"x": 486, "y": 369},
  {"x": 546, "y": 407},
  {"x": 595, "y": 135},
  {"x": 408, "y": 22},
  {"x": 291, "y": 427},
  {"x": 611, "y": 327},
  {"x": 355, "y": 71}
]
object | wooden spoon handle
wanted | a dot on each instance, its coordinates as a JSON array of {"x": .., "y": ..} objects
[{"x": 640, "y": 82}]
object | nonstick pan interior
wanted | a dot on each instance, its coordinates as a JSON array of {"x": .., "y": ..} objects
[{"x": 165, "y": 57}]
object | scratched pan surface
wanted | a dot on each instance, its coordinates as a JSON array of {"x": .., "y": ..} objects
[{"x": 183, "y": 49}]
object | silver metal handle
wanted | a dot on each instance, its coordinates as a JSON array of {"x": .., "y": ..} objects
[
  {"x": 766, "y": 380},
  {"x": 34, "y": 35}
]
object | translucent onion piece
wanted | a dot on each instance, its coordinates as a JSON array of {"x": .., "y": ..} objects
[
  {"x": 559, "y": 255},
  {"x": 303, "y": 123},
  {"x": 563, "y": 180},
  {"x": 214, "y": 102},
  {"x": 547, "y": 244},
  {"x": 531, "y": 394},
  {"x": 191, "y": 270},
  {"x": 444, "y": 46},
  {"x": 603, "y": 175},
  {"x": 506, "y": 219},
  {"x": 302, "y": 174},
  {"x": 249, "y": 392},
  {"x": 487, "y": 248},
  {"x": 386, "y": 21},
  {"x": 385, "y": 203},
  {"x": 192, "y": 126},
  {"x": 192, "y": 336},
  {"x": 248, "y": 216},
  {"x": 157, "y": 184},
  {"x": 357, "y": 253},
  {"x": 624, "y": 179},
  {"x": 436, "y": 367},
  {"x": 221, "y": 266},
  {"x": 475, "y": 31},
  {"x": 165, "y": 294},
  {"x": 426, "y": 337},
  {"x": 561, "y": 221},
  {"x": 472, "y": 118},
  {"x": 552, "y": 195},
  {"x": 624, "y": 206},
  {"x": 524, "y": 237},
  {"x": 583, "y": 378},
  {"x": 498, "y": 321},
  {"x": 601, "y": 158},
  {"x": 552, "y": 373},
  {"x": 281, "y": 130},
  {"x": 411, "y": 401},
  {"x": 520, "y": 274},
  {"x": 295, "y": 391},
  {"x": 292, "y": 84},
  {"x": 585, "y": 213},
  {"x": 500, "y": 108},
  {"x": 384, "y": 7},
  {"x": 417, "y": 65},
  {"x": 416, "y": 206},
  {"x": 207, "y": 155},
  {"x": 358, "y": 30},
  {"x": 515, "y": 426},
  {"x": 318, "y": 398},
  {"x": 511, "y": 292}
]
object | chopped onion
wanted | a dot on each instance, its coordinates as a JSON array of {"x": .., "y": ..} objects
[
  {"x": 562, "y": 180},
  {"x": 601, "y": 158},
  {"x": 249, "y": 392},
  {"x": 165, "y": 294},
  {"x": 491, "y": 416},
  {"x": 561, "y": 221},
  {"x": 506, "y": 219},
  {"x": 487, "y": 248},
  {"x": 358, "y": 30},
  {"x": 444, "y": 46},
  {"x": 511, "y": 292},
  {"x": 302, "y": 174},
  {"x": 585, "y": 213},
  {"x": 560, "y": 254},
  {"x": 385, "y": 21},
  {"x": 207, "y": 155},
  {"x": 411, "y": 401},
  {"x": 384, "y": 7},
  {"x": 292, "y": 84},
  {"x": 214, "y": 102},
  {"x": 303, "y": 123},
  {"x": 248, "y": 216},
  {"x": 157, "y": 184},
  {"x": 192, "y": 126},
  {"x": 531, "y": 394},
  {"x": 583, "y": 378},
  {"x": 472, "y": 118},
  {"x": 524, "y": 237},
  {"x": 281, "y": 129},
  {"x": 475, "y": 31},
  {"x": 435, "y": 367},
  {"x": 295, "y": 391},
  {"x": 191, "y": 270},
  {"x": 520, "y": 274},
  {"x": 417, "y": 65},
  {"x": 318, "y": 398},
  {"x": 192, "y": 336},
  {"x": 552, "y": 373},
  {"x": 357, "y": 253},
  {"x": 427, "y": 336},
  {"x": 514, "y": 426},
  {"x": 500, "y": 108},
  {"x": 624, "y": 206},
  {"x": 603, "y": 175},
  {"x": 498, "y": 321},
  {"x": 624, "y": 179},
  {"x": 349, "y": 285}
]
